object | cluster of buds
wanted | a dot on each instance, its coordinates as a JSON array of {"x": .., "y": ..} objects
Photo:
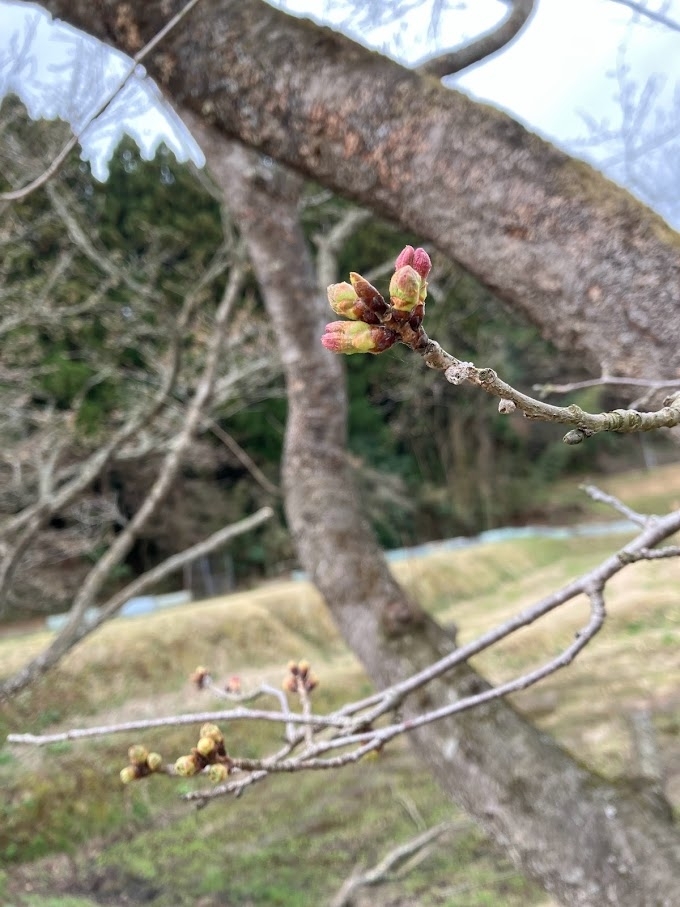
[
  {"x": 141, "y": 764},
  {"x": 208, "y": 753},
  {"x": 300, "y": 678},
  {"x": 374, "y": 324}
]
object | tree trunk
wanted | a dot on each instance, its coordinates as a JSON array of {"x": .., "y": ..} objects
[
  {"x": 586, "y": 841},
  {"x": 591, "y": 266}
]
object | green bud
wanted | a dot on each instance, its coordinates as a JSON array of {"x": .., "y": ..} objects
[
  {"x": 211, "y": 730},
  {"x": 186, "y": 766},
  {"x": 405, "y": 289},
  {"x": 343, "y": 300},
  {"x": 137, "y": 754},
  {"x": 218, "y": 773},
  {"x": 154, "y": 761},
  {"x": 206, "y": 746},
  {"x": 129, "y": 773}
]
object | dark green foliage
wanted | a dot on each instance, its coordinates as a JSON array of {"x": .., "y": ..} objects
[{"x": 431, "y": 460}]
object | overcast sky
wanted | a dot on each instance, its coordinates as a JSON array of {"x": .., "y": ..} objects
[{"x": 557, "y": 72}]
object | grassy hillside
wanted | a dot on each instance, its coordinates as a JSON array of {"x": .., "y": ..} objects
[{"x": 70, "y": 836}]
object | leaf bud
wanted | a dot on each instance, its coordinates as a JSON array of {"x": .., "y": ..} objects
[
  {"x": 212, "y": 731},
  {"x": 186, "y": 766},
  {"x": 405, "y": 288},
  {"x": 137, "y": 754},
  {"x": 129, "y": 773},
  {"x": 351, "y": 337},
  {"x": 206, "y": 746},
  {"x": 218, "y": 772},
  {"x": 371, "y": 298},
  {"x": 154, "y": 761}
]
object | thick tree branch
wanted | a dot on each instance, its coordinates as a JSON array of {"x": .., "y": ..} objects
[
  {"x": 454, "y": 61},
  {"x": 546, "y": 233}
]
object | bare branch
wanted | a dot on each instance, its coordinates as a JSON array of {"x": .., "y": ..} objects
[
  {"x": 605, "y": 381},
  {"x": 585, "y": 424},
  {"x": 480, "y": 49},
  {"x": 387, "y": 867},
  {"x": 610, "y": 500},
  {"x": 642, "y": 10},
  {"x": 352, "y": 727}
]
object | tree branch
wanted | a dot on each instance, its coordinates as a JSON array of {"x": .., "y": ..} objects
[
  {"x": 481, "y": 48},
  {"x": 642, "y": 10}
]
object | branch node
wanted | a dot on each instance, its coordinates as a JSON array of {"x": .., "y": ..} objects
[{"x": 457, "y": 374}]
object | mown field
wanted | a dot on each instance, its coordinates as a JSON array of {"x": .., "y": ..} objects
[{"x": 72, "y": 836}]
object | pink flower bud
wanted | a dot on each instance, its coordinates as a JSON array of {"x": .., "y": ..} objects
[
  {"x": 421, "y": 263},
  {"x": 405, "y": 257},
  {"x": 343, "y": 300},
  {"x": 351, "y": 337},
  {"x": 405, "y": 288}
]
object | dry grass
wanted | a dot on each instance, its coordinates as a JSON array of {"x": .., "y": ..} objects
[{"x": 138, "y": 667}]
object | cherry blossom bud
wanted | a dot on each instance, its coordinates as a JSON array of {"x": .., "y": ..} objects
[
  {"x": 129, "y": 773},
  {"x": 206, "y": 746},
  {"x": 405, "y": 257},
  {"x": 212, "y": 731},
  {"x": 418, "y": 259},
  {"x": 186, "y": 766},
  {"x": 343, "y": 299},
  {"x": 233, "y": 685},
  {"x": 421, "y": 263},
  {"x": 351, "y": 337},
  {"x": 218, "y": 773},
  {"x": 137, "y": 754},
  {"x": 405, "y": 288},
  {"x": 154, "y": 761}
]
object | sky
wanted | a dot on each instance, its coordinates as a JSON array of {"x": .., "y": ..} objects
[{"x": 557, "y": 76}]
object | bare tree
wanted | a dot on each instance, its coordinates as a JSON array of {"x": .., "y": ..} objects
[
  {"x": 576, "y": 253},
  {"x": 194, "y": 358}
]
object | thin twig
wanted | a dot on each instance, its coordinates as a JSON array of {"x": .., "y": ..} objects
[
  {"x": 605, "y": 381},
  {"x": 640, "y": 519},
  {"x": 650, "y": 14}
]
